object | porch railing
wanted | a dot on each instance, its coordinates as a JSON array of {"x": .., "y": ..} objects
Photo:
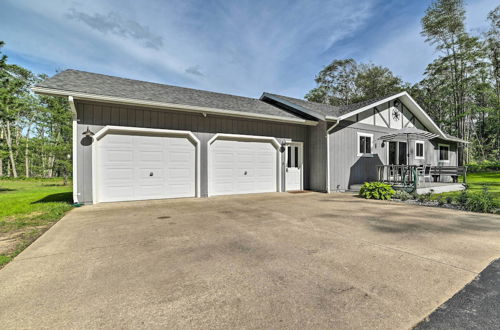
[
  {"x": 408, "y": 176},
  {"x": 404, "y": 176}
]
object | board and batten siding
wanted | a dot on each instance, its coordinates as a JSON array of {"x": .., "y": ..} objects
[
  {"x": 96, "y": 115},
  {"x": 347, "y": 168}
]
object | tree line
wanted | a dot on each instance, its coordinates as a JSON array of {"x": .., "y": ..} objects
[
  {"x": 460, "y": 89},
  {"x": 35, "y": 131}
]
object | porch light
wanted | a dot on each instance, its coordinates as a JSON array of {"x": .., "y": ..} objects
[
  {"x": 88, "y": 132},
  {"x": 396, "y": 103}
]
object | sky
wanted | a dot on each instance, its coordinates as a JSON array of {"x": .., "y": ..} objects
[{"x": 236, "y": 47}]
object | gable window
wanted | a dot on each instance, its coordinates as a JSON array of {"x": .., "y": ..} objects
[
  {"x": 444, "y": 152},
  {"x": 419, "y": 149},
  {"x": 365, "y": 141}
]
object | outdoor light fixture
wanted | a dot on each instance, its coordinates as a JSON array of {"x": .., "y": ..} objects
[
  {"x": 88, "y": 133},
  {"x": 396, "y": 103}
]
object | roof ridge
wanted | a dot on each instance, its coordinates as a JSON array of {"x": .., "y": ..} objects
[{"x": 155, "y": 83}]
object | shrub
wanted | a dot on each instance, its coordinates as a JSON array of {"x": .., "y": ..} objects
[
  {"x": 486, "y": 165},
  {"x": 402, "y": 195},
  {"x": 449, "y": 199},
  {"x": 422, "y": 198},
  {"x": 462, "y": 197},
  {"x": 440, "y": 200},
  {"x": 376, "y": 190},
  {"x": 480, "y": 201}
]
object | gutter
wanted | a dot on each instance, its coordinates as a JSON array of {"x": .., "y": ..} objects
[
  {"x": 328, "y": 188},
  {"x": 74, "y": 157},
  {"x": 170, "y": 106}
]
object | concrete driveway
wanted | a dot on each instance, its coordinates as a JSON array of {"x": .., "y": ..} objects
[{"x": 271, "y": 261}]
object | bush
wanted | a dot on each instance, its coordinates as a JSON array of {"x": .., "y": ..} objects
[
  {"x": 480, "y": 201},
  {"x": 484, "y": 166},
  {"x": 422, "y": 198},
  {"x": 449, "y": 199},
  {"x": 440, "y": 200},
  {"x": 402, "y": 195},
  {"x": 376, "y": 190},
  {"x": 462, "y": 198}
]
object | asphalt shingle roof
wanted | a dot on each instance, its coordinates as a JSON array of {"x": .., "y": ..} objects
[
  {"x": 99, "y": 84},
  {"x": 326, "y": 109}
]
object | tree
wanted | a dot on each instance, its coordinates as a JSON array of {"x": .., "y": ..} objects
[
  {"x": 457, "y": 73},
  {"x": 35, "y": 131},
  {"x": 374, "y": 81},
  {"x": 344, "y": 82},
  {"x": 336, "y": 84}
]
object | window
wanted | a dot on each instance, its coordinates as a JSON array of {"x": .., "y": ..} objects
[
  {"x": 444, "y": 152},
  {"x": 292, "y": 156},
  {"x": 364, "y": 143},
  {"x": 419, "y": 150}
]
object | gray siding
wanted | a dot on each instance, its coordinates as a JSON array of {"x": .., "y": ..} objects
[
  {"x": 318, "y": 156},
  {"x": 347, "y": 168},
  {"x": 98, "y": 115}
]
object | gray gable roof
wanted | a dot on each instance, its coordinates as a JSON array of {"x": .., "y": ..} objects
[
  {"x": 325, "y": 109},
  {"x": 99, "y": 84}
]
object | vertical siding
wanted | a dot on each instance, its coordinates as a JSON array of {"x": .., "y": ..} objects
[
  {"x": 98, "y": 115},
  {"x": 317, "y": 154},
  {"x": 347, "y": 168}
]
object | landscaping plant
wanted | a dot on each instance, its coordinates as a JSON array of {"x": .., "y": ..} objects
[
  {"x": 376, "y": 190},
  {"x": 480, "y": 201}
]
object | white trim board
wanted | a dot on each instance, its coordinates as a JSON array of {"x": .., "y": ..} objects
[
  {"x": 410, "y": 104},
  {"x": 150, "y": 131},
  {"x": 240, "y": 137},
  {"x": 439, "y": 152},
  {"x": 171, "y": 106},
  {"x": 358, "y": 135},
  {"x": 423, "y": 149},
  {"x": 74, "y": 146}
]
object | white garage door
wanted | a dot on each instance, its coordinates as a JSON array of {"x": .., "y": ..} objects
[
  {"x": 242, "y": 167},
  {"x": 133, "y": 167}
]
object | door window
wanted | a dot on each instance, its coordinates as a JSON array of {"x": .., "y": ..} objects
[{"x": 292, "y": 157}]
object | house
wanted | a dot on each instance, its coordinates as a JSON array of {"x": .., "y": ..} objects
[{"x": 136, "y": 140}]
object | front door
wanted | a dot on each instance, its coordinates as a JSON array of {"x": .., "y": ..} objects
[{"x": 293, "y": 166}]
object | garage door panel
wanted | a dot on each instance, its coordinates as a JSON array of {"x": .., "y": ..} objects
[
  {"x": 117, "y": 156},
  {"x": 240, "y": 167},
  {"x": 124, "y": 173}
]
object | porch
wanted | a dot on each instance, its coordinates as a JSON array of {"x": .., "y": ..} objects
[{"x": 423, "y": 179}]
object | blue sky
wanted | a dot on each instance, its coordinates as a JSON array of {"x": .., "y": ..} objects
[{"x": 236, "y": 47}]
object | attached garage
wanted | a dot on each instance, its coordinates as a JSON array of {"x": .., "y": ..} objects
[
  {"x": 240, "y": 164},
  {"x": 137, "y": 164}
]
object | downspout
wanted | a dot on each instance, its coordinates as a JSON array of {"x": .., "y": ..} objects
[
  {"x": 74, "y": 158},
  {"x": 328, "y": 188}
]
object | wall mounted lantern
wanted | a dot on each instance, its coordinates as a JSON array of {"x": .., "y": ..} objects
[{"x": 88, "y": 133}]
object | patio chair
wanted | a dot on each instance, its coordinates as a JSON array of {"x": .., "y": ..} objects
[{"x": 424, "y": 172}]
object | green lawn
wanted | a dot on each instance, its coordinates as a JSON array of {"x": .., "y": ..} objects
[
  {"x": 477, "y": 181},
  {"x": 28, "y": 208}
]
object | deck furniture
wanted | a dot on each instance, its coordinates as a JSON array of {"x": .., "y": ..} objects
[
  {"x": 454, "y": 172},
  {"x": 424, "y": 172}
]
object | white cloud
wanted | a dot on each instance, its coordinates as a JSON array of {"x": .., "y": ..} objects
[{"x": 243, "y": 47}]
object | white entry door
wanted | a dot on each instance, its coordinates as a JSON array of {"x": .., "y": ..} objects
[
  {"x": 242, "y": 167},
  {"x": 293, "y": 166},
  {"x": 135, "y": 167}
]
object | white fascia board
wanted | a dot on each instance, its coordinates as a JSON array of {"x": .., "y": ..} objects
[
  {"x": 410, "y": 103},
  {"x": 170, "y": 106},
  {"x": 332, "y": 118},
  {"x": 371, "y": 105}
]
